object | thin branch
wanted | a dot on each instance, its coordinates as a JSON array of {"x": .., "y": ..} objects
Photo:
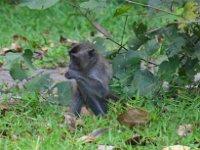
[
  {"x": 149, "y": 6},
  {"x": 149, "y": 62}
]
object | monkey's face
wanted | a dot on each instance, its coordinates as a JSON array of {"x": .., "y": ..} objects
[{"x": 83, "y": 60}]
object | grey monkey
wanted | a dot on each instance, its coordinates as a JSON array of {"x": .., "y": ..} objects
[{"x": 92, "y": 74}]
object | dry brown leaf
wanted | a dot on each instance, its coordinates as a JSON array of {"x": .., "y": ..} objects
[
  {"x": 107, "y": 147},
  {"x": 86, "y": 139},
  {"x": 45, "y": 48},
  {"x": 91, "y": 137},
  {"x": 85, "y": 111},
  {"x": 184, "y": 130},
  {"x": 176, "y": 147},
  {"x": 52, "y": 45},
  {"x": 133, "y": 117},
  {"x": 70, "y": 120},
  {"x": 66, "y": 40},
  {"x": 15, "y": 46},
  {"x": 3, "y": 109},
  {"x": 15, "y": 38},
  {"x": 24, "y": 39}
]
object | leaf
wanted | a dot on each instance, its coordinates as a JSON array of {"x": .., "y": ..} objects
[
  {"x": 176, "y": 46},
  {"x": 143, "y": 82},
  {"x": 135, "y": 43},
  {"x": 3, "y": 110},
  {"x": 190, "y": 10},
  {"x": 38, "y": 4},
  {"x": 176, "y": 147},
  {"x": 179, "y": 11},
  {"x": 99, "y": 45},
  {"x": 12, "y": 59},
  {"x": 190, "y": 68},
  {"x": 91, "y": 137},
  {"x": 107, "y": 147},
  {"x": 27, "y": 55},
  {"x": 122, "y": 10},
  {"x": 64, "y": 90},
  {"x": 151, "y": 47},
  {"x": 168, "y": 68},
  {"x": 93, "y": 4},
  {"x": 155, "y": 3},
  {"x": 39, "y": 83},
  {"x": 184, "y": 130},
  {"x": 139, "y": 28},
  {"x": 72, "y": 122},
  {"x": 126, "y": 62},
  {"x": 18, "y": 73},
  {"x": 133, "y": 117}
]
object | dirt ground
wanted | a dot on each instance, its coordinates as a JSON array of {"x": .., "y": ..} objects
[{"x": 55, "y": 74}]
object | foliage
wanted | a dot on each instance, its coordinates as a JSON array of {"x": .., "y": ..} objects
[
  {"x": 153, "y": 42},
  {"x": 171, "y": 50},
  {"x": 176, "y": 41}
]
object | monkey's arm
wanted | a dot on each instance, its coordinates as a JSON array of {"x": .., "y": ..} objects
[{"x": 87, "y": 83}]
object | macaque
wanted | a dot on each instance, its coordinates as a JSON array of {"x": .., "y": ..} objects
[{"x": 92, "y": 74}]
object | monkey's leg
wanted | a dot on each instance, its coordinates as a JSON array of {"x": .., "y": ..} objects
[
  {"x": 98, "y": 106},
  {"x": 77, "y": 104}
]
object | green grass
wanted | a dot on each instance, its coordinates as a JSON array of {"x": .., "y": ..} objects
[
  {"x": 46, "y": 128},
  {"x": 35, "y": 125}
]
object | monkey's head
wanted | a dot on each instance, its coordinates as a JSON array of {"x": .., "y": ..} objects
[{"x": 83, "y": 57}]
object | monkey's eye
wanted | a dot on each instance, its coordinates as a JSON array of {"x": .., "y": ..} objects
[{"x": 91, "y": 53}]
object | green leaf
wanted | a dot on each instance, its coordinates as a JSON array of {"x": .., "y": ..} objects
[
  {"x": 126, "y": 62},
  {"x": 122, "y": 10},
  {"x": 168, "y": 68},
  {"x": 155, "y": 3},
  {"x": 39, "y": 83},
  {"x": 143, "y": 82},
  {"x": 176, "y": 46},
  {"x": 12, "y": 59},
  {"x": 64, "y": 90},
  {"x": 99, "y": 45},
  {"x": 151, "y": 47},
  {"x": 180, "y": 11},
  {"x": 93, "y": 4},
  {"x": 190, "y": 10},
  {"x": 191, "y": 68},
  {"x": 38, "y": 4},
  {"x": 27, "y": 55},
  {"x": 135, "y": 43},
  {"x": 139, "y": 28},
  {"x": 17, "y": 73},
  {"x": 197, "y": 51}
]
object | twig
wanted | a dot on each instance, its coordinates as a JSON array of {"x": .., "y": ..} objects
[
  {"x": 123, "y": 33},
  {"x": 149, "y": 62},
  {"x": 149, "y": 6}
]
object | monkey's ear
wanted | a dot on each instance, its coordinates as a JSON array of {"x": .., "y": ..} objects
[{"x": 91, "y": 52}]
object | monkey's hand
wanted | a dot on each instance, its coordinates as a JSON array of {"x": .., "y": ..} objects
[{"x": 72, "y": 74}]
